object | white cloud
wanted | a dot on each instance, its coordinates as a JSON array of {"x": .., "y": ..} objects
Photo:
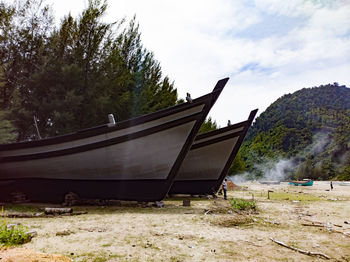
[{"x": 267, "y": 47}]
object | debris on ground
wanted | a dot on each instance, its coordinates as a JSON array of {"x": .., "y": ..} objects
[{"x": 305, "y": 252}]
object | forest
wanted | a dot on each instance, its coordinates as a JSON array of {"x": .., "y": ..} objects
[
  {"x": 309, "y": 128},
  {"x": 73, "y": 75}
]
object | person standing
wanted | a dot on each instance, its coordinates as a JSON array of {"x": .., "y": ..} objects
[
  {"x": 331, "y": 185},
  {"x": 224, "y": 187}
]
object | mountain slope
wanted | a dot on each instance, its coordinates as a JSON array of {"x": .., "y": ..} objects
[{"x": 310, "y": 128}]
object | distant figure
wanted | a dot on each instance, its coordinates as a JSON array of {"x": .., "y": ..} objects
[
  {"x": 331, "y": 185},
  {"x": 188, "y": 98},
  {"x": 229, "y": 123},
  {"x": 224, "y": 187}
]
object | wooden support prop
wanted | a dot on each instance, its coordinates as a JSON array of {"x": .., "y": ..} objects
[
  {"x": 305, "y": 252},
  {"x": 57, "y": 210},
  {"x": 268, "y": 193},
  {"x": 312, "y": 225},
  {"x": 186, "y": 202}
]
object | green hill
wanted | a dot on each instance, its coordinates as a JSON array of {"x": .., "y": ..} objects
[{"x": 310, "y": 129}]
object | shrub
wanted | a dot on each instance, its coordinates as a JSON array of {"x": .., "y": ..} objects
[
  {"x": 11, "y": 234},
  {"x": 242, "y": 204}
]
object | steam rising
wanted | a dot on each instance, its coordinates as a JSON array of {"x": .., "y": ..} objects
[{"x": 278, "y": 170}]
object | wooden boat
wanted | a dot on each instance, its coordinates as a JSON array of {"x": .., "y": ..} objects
[
  {"x": 302, "y": 183},
  {"x": 135, "y": 159},
  {"x": 210, "y": 157}
]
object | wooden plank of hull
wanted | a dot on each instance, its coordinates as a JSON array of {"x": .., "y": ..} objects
[
  {"x": 207, "y": 162},
  {"x": 135, "y": 160},
  {"x": 124, "y": 160},
  {"x": 210, "y": 157}
]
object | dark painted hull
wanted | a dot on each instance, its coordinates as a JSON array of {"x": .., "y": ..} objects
[
  {"x": 133, "y": 160},
  {"x": 53, "y": 190},
  {"x": 210, "y": 157}
]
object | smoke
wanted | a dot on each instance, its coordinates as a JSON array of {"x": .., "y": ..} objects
[
  {"x": 279, "y": 170},
  {"x": 271, "y": 170},
  {"x": 241, "y": 178},
  {"x": 320, "y": 140}
]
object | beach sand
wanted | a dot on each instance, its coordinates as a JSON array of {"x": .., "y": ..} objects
[{"x": 208, "y": 230}]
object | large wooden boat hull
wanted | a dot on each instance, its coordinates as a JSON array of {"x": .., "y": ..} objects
[
  {"x": 136, "y": 159},
  {"x": 210, "y": 157}
]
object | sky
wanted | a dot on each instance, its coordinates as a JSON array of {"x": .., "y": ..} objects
[{"x": 267, "y": 48}]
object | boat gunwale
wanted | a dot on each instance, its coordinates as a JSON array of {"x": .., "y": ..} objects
[
  {"x": 103, "y": 129},
  {"x": 103, "y": 143},
  {"x": 216, "y": 140},
  {"x": 221, "y": 130}
]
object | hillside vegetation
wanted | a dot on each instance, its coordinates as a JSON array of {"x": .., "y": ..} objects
[{"x": 309, "y": 130}]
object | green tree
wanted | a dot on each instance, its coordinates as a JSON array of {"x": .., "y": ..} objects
[
  {"x": 24, "y": 42},
  {"x": 344, "y": 174},
  {"x": 237, "y": 166},
  {"x": 7, "y": 130},
  {"x": 72, "y": 77},
  {"x": 208, "y": 125}
]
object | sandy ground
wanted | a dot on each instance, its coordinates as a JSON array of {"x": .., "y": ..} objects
[{"x": 206, "y": 231}]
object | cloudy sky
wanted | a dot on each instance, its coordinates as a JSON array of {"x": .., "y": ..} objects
[{"x": 267, "y": 47}]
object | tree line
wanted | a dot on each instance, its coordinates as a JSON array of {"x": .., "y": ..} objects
[{"x": 73, "y": 75}]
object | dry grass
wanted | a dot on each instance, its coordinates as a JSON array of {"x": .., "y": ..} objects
[{"x": 232, "y": 221}]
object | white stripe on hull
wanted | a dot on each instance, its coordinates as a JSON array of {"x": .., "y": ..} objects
[
  {"x": 102, "y": 137},
  {"x": 147, "y": 157},
  {"x": 197, "y": 141}
]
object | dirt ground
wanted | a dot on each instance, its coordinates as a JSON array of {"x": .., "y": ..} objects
[{"x": 208, "y": 230}]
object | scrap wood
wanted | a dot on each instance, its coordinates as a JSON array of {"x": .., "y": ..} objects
[
  {"x": 21, "y": 215},
  {"x": 41, "y": 214},
  {"x": 343, "y": 233},
  {"x": 305, "y": 252},
  {"x": 319, "y": 224},
  {"x": 312, "y": 225},
  {"x": 57, "y": 210},
  {"x": 207, "y": 211}
]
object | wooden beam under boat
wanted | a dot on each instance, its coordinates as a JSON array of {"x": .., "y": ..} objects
[
  {"x": 210, "y": 157},
  {"x": 135, "y": 159}
]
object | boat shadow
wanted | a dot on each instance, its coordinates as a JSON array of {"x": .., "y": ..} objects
[{"x": 174, "y": 205}]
